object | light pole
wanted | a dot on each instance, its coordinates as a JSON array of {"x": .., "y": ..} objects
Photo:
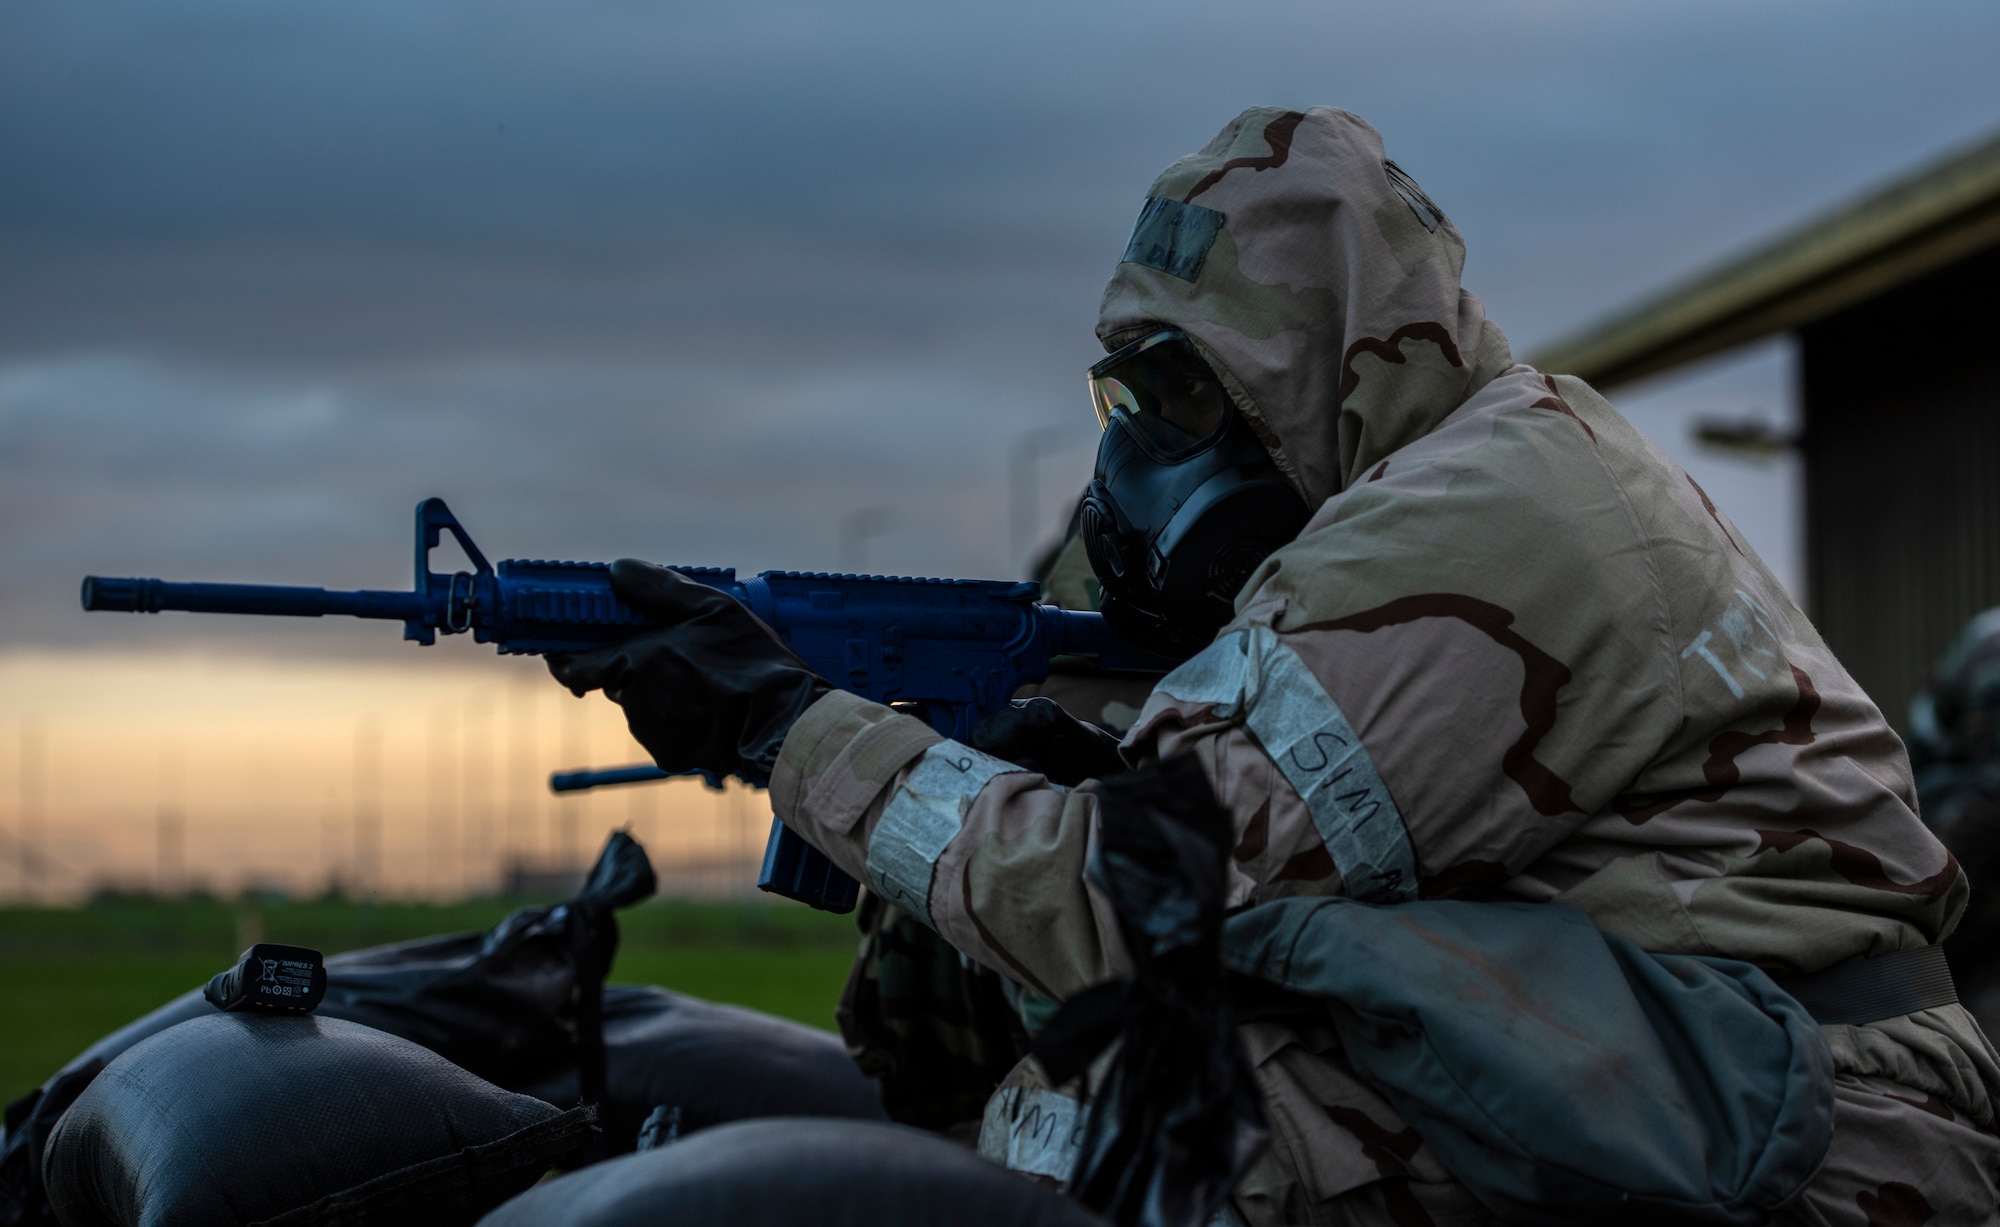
[
  {"x": 1029, "y": 449},
  {"x": 32, "y": 778},
  {"x": 856, "y": 527}
]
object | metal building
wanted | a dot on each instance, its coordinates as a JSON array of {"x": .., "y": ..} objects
[{"x": 1895, "y": 299}]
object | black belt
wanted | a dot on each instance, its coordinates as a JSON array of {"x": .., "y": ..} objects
[{"x": 1870, "y": 990}]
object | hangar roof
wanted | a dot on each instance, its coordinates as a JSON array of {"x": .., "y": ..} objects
[{"x": 1896, "y": 233}]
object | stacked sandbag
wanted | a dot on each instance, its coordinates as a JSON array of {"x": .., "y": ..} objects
[
  {"x": 781, "y": 1172},
  {"x": 254, "y": 1118},
  {"x": 523, "y": 1006},
  {"x": 714, "y": 1063}
]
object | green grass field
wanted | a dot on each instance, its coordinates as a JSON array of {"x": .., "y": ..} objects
[{"x": 69, "y": 975}]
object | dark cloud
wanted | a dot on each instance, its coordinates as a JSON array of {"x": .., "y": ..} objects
[{"x": 696, "y": 281}]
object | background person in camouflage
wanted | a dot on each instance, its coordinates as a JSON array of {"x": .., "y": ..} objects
[
  {"x": 1516, "y": 654},
  {"x": 1955, "y": 747}
]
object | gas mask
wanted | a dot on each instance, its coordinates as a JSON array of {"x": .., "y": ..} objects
[{"x": 1185, "y": 501}]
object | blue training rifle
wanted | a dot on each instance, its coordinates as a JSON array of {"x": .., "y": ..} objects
[{"x": 959, "y": 648}]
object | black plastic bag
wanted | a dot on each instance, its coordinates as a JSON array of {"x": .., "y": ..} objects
[
  {"x": 781, "y": 1173},
  {"x": 1175, "y": 1118},
  {"x": 247, "y": 1118},
  {"x": 520, "y": 1001}
]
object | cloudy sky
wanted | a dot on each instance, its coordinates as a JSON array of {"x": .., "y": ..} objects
[{"x": 702, "y": 281}]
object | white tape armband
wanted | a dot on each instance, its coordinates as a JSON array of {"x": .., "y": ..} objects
[
  {"x": 1297, "y": 723},
  {"x": 1034, "y": 1130},
  {"x": 1250, "y": 673},
  {"x": 923, "y": 816},
  {"x": 1214, "y": 675},
  {"x": 1040, "y": 1132}
]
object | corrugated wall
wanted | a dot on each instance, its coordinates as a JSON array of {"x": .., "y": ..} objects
[{"x": 1902, "y": 474}]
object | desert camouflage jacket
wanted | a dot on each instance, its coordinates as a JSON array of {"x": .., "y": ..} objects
[{"x": 1517, "y": 653}]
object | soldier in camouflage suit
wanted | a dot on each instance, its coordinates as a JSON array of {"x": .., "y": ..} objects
[
  {"x": 1570, "y": 677},
  {"x": 1516, "y": 654}
]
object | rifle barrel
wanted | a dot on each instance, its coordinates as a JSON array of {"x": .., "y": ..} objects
[
  {"x": 154, "y": 595},
  {"x": 580, "y": 781}
]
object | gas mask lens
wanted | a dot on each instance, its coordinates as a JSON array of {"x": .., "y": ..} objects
[{"x": 1161, "y": 390}]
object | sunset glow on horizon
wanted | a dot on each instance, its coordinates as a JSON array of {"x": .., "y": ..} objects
[{"x": 412, "y": 779}]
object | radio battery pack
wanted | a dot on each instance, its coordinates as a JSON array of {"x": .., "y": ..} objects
[{"x": 271, "y": 978}]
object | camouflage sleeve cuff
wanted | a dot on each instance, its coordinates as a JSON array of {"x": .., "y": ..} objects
[{"x": 839, "y": 757}]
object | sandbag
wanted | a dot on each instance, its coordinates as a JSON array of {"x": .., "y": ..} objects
[
  {"x": 518, "y": 1003},
  {"x": 248, "y": 1118},
  {"x": 1564, "y": 1075},
  {"x": 782, "y": 1173},
  {"x": 716, "y": 1063},
  {"x": 522, "y": 1006}
]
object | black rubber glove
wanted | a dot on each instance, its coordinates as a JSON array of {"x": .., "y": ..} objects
[
  {"x": 1039, "y": 735},
  {"x": 713, "y": 690}
]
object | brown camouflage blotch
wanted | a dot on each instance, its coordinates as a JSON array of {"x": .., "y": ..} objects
[
  {"x": 1708, "y": 505},
  {"x": 1315, "y": 864},
  {"x": 1721, "y": 770},
  {"x": 1390, "y": 1150},
  {"x": 1256, "y": 835},
  {"x": 1639, "y": 810},
  {"x": 1277, "y": 134},
  {"x": 1390, "y": 350},
  {"x": 1861, "y": 867},
  {"x": 1554, "y": 400},
  {"x": 1543, "y": 677},
  {"x": 1014, "y": 966}
]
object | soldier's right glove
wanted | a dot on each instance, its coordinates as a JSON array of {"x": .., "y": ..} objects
[{"x": 1039, "y": 735}]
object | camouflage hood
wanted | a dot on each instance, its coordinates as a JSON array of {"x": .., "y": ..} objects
[{"x": 1322, "y": 282}]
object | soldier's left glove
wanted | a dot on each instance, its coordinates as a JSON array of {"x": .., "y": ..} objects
[
  {"x": 1039, "y": 735},
  {"x": 712, "y": 690}
]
